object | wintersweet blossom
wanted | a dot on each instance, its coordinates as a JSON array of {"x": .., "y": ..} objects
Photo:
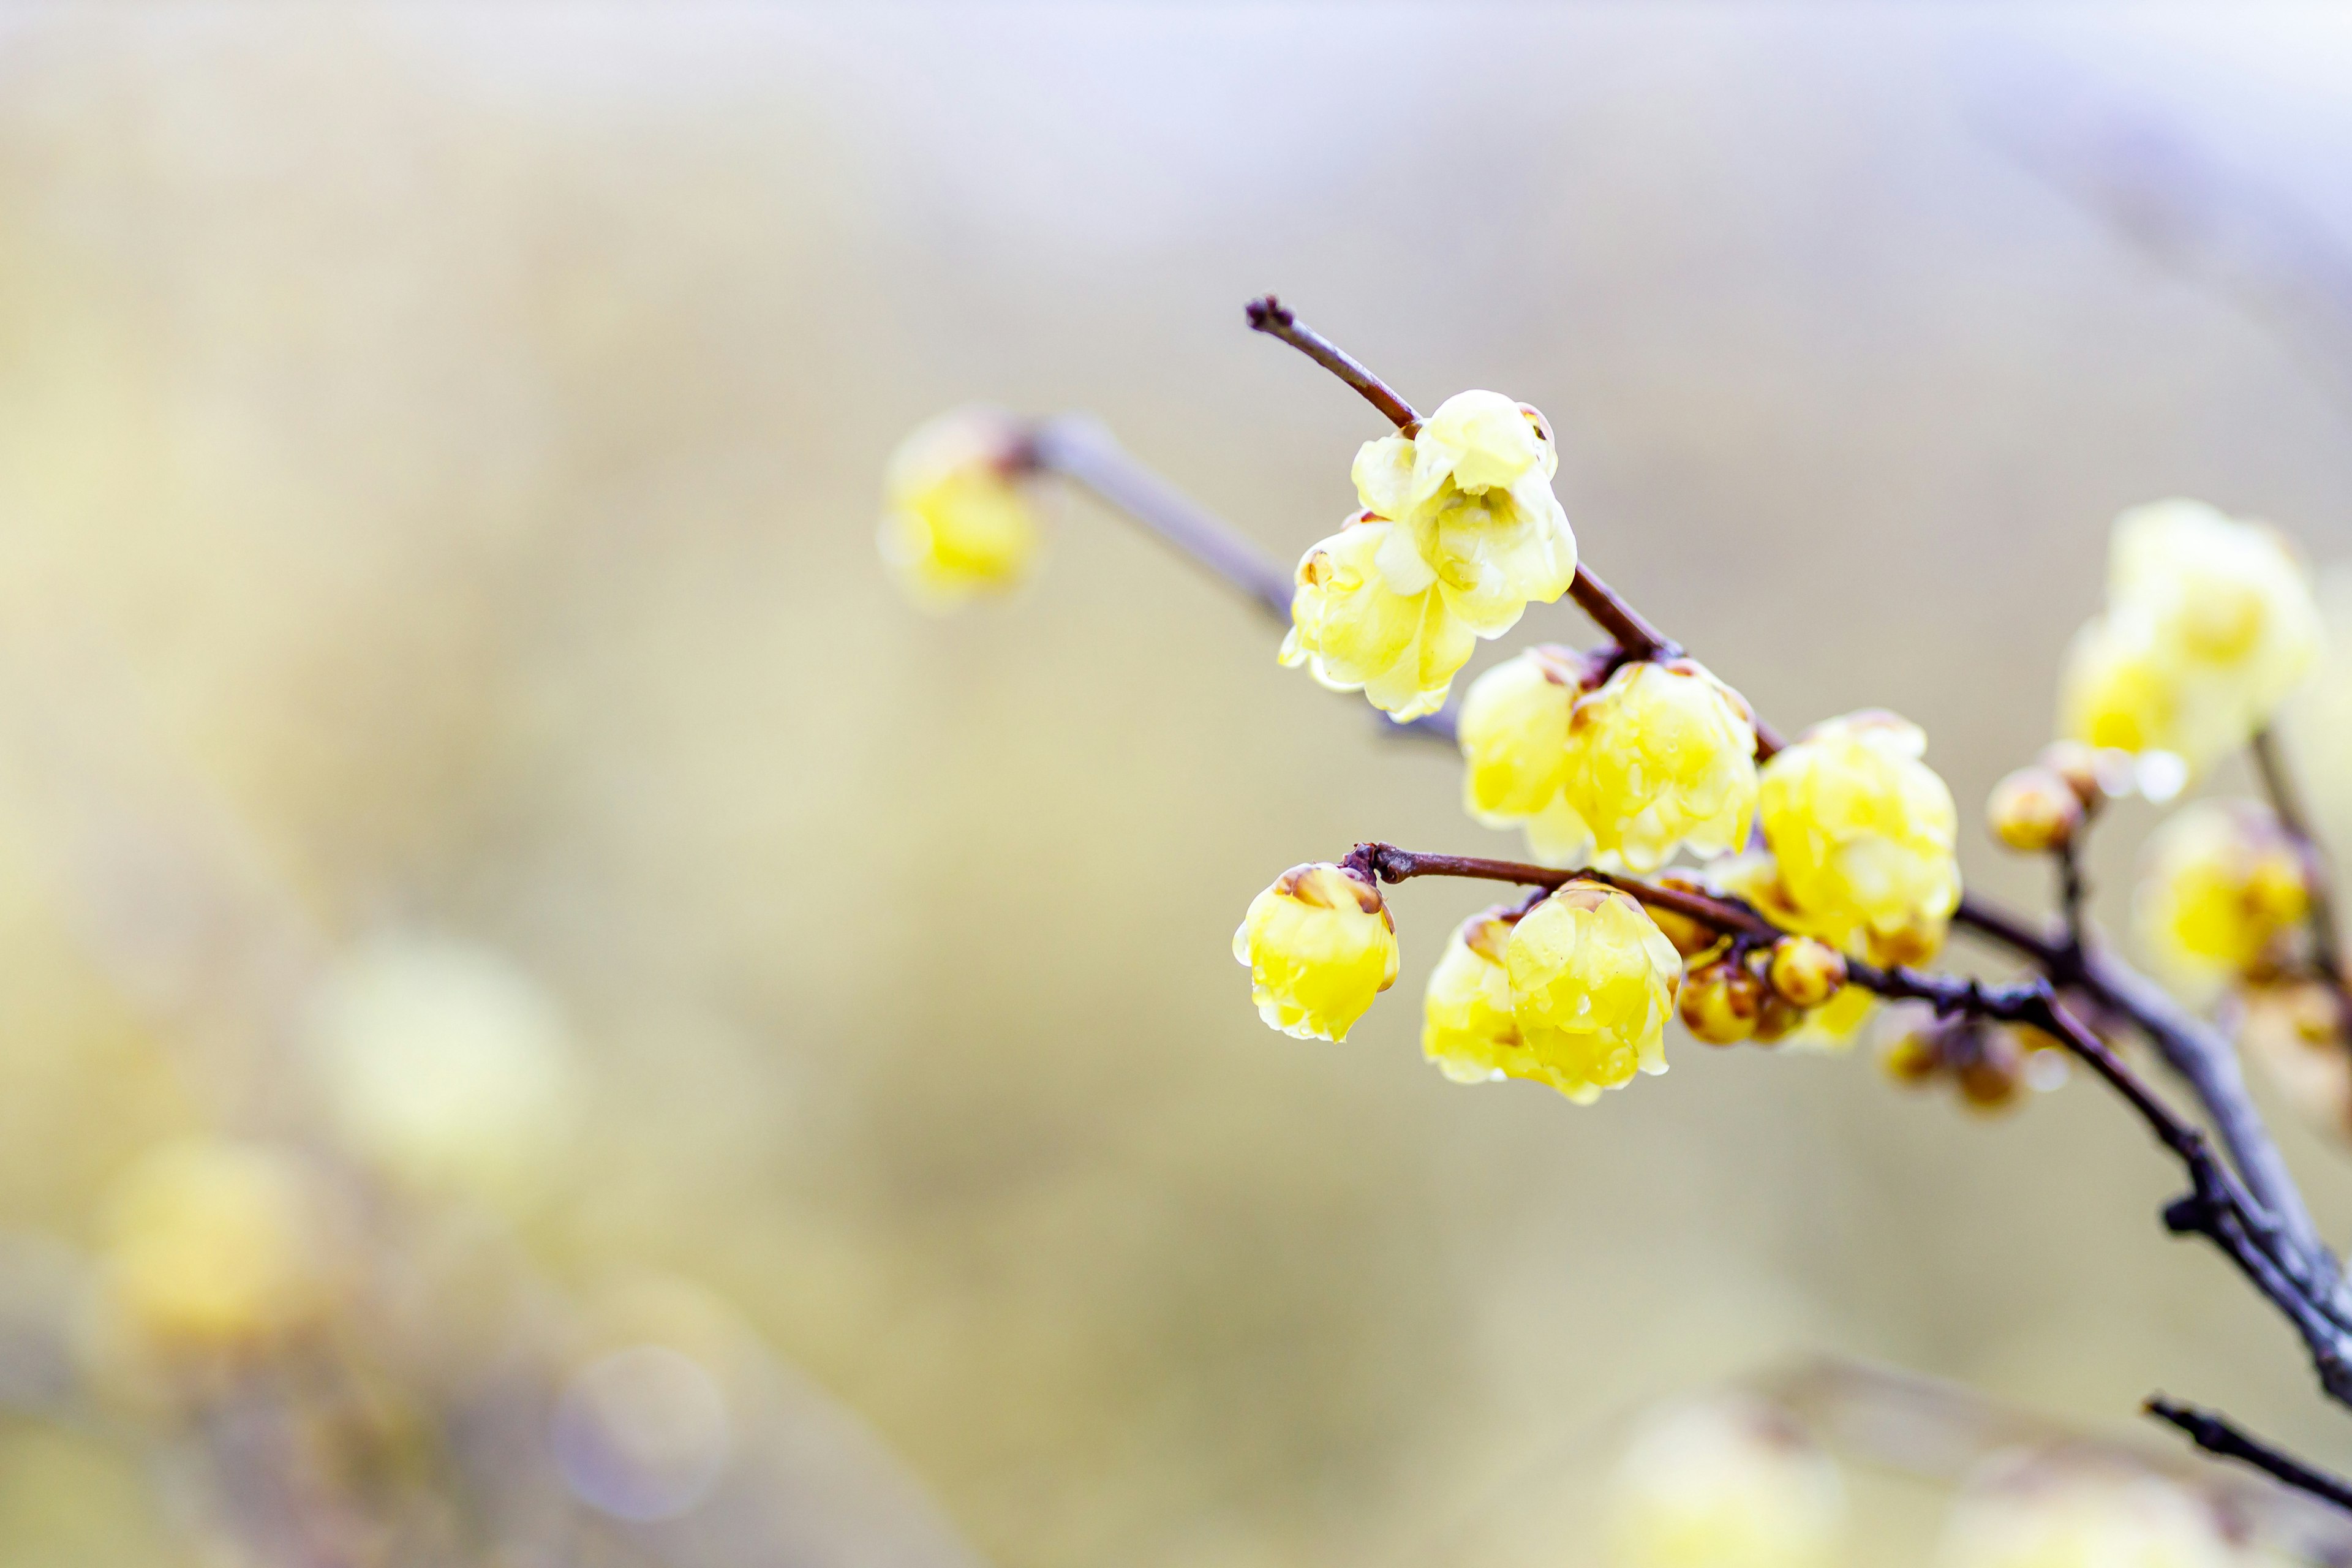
[
  {"x": 955, "y": 521},
  {"x": 2057, "y": 1512},
  {"x": 1661, "y": 757},
  {"x": 1592, "y": 984},
  {"x": 2223, "y": 883},
  {"x": 1354, "y": 632},
  {"x": 1862, "y": 835},
  {"x": 213, "y": 1245},
  {"x": 1726, "y": 1482},
  {"x": 1319, "y": 945},
  {"x": 1467, "y": 1026},
  {"x": 1513, "y": 736}
]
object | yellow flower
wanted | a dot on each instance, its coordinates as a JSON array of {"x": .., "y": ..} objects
[
  {"x": 1459, "y": 531},
  {"x": 2222, "y": 884},
  {"x": 1468, "y": 1025},
  {"x": 1319, "y": 945},
  {"x": 1660, "y": 756},
  {"x": 213, "y": 1245},
  {"x": 2060, "y": 1512},
  {"x": 2210, "y": 622},
  {"x": 2293, "y": 1032},
  {"x": 1862, "y": 833},
  {"x": 1724, "y": 1483},
  {"x": 1592, "y": 984},
  {"x": 1513, "y": 736},
  {"x": 1354, "y": 632},
  {"x": 1471, "y": 493},
  {"x": 955, "y": 523}
]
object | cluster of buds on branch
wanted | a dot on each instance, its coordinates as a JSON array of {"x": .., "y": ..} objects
[{"x": 1824, "y": 871}]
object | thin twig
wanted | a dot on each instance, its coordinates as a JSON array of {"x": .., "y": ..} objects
[
  {"x": 1269, "y": 315},
  {"x": 2216, "y": 1433},
  {"x": 2072, "y": 893}
]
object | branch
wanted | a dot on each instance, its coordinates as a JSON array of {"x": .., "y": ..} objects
[
  {"x": 2217, "y": 1435},
  {"x": 1269, "y": 315}
]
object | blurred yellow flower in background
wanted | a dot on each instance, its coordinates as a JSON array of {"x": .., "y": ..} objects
[
  {"x": 956, "y": 522},
  {"x": 2222, "y": 884},
  {"x": 1724, "y": 1482},
  {"x": 1319, "y": 945},
  {"x": 2059, "y": 1511}
]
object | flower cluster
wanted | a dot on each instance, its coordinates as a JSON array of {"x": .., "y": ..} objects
[
  {"x": 1660, "y": 757},
  {"x": 1863, "y": 840},
  {"x": 1990, "y": 1067},
  {"x": 2224, "y": 885},
  {"x": 2211, "y": 622},
  {"x": 1459, "y": 532},
  {"x": 1794, "y": 992},
  {"x": 955, "y": 521}
]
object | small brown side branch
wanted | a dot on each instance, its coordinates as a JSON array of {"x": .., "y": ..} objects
[
  {"x": 1269, "y": 315},
  {"x": 2217, "y": 1435},
  {"x": 1393, "y": 865}
]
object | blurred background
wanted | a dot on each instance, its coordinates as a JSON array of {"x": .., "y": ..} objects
[{"x": 668, "y": 1054}]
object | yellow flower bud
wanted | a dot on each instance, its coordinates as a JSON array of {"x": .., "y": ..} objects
[
  {"x": 2066, "y": 1510},
  {"x": 1353, "y": 631},
  {"x": 955, "y": 523},
  {"x": 1862, "y": 832},
  {"x": 2092, "y": 774},
  {"x": 214, "y": 1246},
  {"x": 1991, "y": 1075},
  {"x": 1721, "y": 1003},
  {"x": 1690, "y": 937},
  {"x": 1592, "y": 981},
  {"x": 1319, "y": 945},
  {"x": 1468, "y": 1025},
  {"x": 1663, "y": 755},
  {"x": 1471, "y": 494},
  {"x": 2033, "y": 811},
  {"x": 1514, "y": 737},
  {"x": 1807, "y": 973},
  {"x": 1724, "y": 1483},
  {"x": 2222, "y": 884}
]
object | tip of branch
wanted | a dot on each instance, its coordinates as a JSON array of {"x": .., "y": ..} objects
[{"x": 1267, "y": 314}]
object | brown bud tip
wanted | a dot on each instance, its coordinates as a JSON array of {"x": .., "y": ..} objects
[
  {"x": 2033, "y": 811},
  {"x": 1806, "y": 973},
  {"x": 1911, "y": 1059},
  {"x": 1992, "y": 1075},
  {"x": 2095, "y": 776}
]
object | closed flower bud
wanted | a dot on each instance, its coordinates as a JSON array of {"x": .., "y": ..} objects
[
  {"x": 1592, "y": 982},
  {"x": 1691, "y": 938},
  {"x": 1660, "y": 756},
  {"x": 1777, "y": 1020},
  {"x": 1913, "y": 1057},
  {"x": 1862, "y": 832},
  {"x": 214, "y": 1246},
  {"x": 2222, "y": 883},
  {"x": 1806, "y": 973},
  {"x": 1354, "y": 630},
  {"x": 2093, "y": 775},
  {"x": 1721, "y": 1003},
  {"x": 1471, "y": 495},
  {"x": 955, "y": 521},
  {"x": 1726, "y": 1482},
  {"x": 1320, "y": 946},
  {"x": 1468, "y": 1025},
  {"x": 1513, "y": 738},
  {"x": 2033, "y": 811}
]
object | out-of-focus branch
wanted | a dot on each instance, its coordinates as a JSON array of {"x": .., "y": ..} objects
[{"x": 2217, "y": 1435}]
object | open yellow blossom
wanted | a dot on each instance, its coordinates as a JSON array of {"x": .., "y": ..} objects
[
  {"x": 1468, "y": 1025},
  {"x": 1726, "y": 1482},
  {"x": 1471, "y": 493},
  {"x": 213, "y": 1245},
  {"x": 2068, "y": 1511},
  {"x": 1592, "y": 982},
  {"x": 1319, "y": 945},
  {"x": 1513, "y": 738},
  {"x": 2222, "y": 884},
  {"x": 1660, "y": 756},
  {"x": 2210, "y": 622},
  {"x": 955, "y": 521},
  {"x": 1863, "y": 834},
  {"x": 1354, "y": 632}
]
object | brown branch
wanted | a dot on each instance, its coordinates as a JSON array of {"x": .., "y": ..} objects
[
  {"x": 1390, "y": 864},
  {"x": 1269, "y": 315},
  {"x": 2217, "y": 1435}
]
